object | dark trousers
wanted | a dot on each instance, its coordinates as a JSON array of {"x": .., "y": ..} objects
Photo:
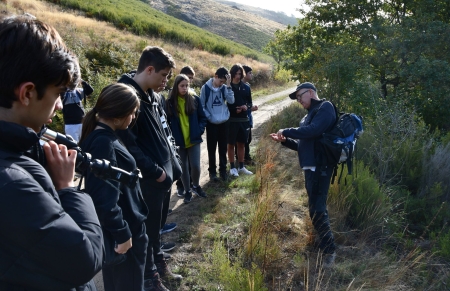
[
  {"x": 216, "y": 135},
  {"x": 128, "y": 275},
  {"x": 157, "y": 209},
  {"x": 317, "y": 185}
]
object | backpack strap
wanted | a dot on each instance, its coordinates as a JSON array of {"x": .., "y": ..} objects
[{"x": 208, "y": 92}]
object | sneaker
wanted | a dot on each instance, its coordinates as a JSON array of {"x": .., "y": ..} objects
[
  {"x": 166, "y": 256},
  {"x": 180, "y": 192},
  {"x": 328, "y": 260},
  {"x": 167, "y": 246},
  {"x": 213, "y": 177},
  {"x": 154, "y": 284},
  {"x": 199, "y": 192},
  {"x": 244, "y": 171},
  {"x": 234, "y": 172},
  {"x": 168, "y": 227},
  {"x": 169, "y": 212},
  {"x": 187, "y": 197},
  {"x": 166, "y": 273}
]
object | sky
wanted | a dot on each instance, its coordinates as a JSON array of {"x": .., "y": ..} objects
[{"x": 287, "y": 6}]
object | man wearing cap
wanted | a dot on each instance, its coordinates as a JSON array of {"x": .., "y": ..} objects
[{"x": 320, "y": 118}]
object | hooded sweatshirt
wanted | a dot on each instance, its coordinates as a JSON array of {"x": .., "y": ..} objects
[{"x": 215, "y": 105}]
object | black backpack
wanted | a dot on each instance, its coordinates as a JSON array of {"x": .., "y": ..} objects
[
  {"x": 208, "y": 92},
  {"x": 337, "y": 145}
]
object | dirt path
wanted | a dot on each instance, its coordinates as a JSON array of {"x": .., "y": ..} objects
[{"x": 268, "y": 106}]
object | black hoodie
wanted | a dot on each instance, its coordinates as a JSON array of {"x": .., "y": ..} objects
[{"x": 146, "y": 140}]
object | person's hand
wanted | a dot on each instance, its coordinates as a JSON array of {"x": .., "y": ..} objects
[
  {"x": 254, "y": 107},
  {"x": 244, "y": 107},
  {"x": 123, "y": 248},
  {"x": 228, "y": 77},
  {"x": 276, "y": 138},
  {"x": 60, "y": 164},
  {"x": 162, "y": 177},
  {"x": 238, "y": 109}
]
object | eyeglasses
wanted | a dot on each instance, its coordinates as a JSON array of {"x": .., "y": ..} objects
[{"x": 300, "y": 96}]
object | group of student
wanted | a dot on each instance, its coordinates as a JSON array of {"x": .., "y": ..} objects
[{"x": 133, "y": 126}]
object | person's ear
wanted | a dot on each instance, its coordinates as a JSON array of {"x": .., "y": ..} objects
[
  {"x": 150, "y": 69},
  {"x": 25, "y": 92}
]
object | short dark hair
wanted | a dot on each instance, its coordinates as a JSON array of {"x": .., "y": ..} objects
[
  {"x": 222, "y": 72},
  {"x": 156, "y": 57},
  {"x": 188, "y": 70},
  {"x": 32, "y": 51},
  {"x": 235, "y": 68},
  {"x": 247, "y": 69}
]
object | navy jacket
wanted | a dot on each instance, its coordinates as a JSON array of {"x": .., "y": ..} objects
[
  {"x": 242, "y": 96},
  {"x": 312, "y": 126},
  {"x": 120, "y": 212},
  {"x": 197, "y": 124},
  {"x": 49, "y": 240},
  {"x": 146, "y": 140}
]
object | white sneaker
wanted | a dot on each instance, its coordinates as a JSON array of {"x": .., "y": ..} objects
[
  {"x": 243, "y": 170},
  {"x": 234, "y": 172}
]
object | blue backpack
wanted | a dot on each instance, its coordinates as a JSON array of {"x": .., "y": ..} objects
[{"x": 337, "y": 145}]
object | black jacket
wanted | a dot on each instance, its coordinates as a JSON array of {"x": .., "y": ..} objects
[
  {"x": 242, "y": 96},
  {"x": 49, "y": 240},
  {"x": 120, "y": 212},
  {"x": 320, "y": 118},
  {"x": 146, "y": 140},
  {"x": 197, "y": 125}
]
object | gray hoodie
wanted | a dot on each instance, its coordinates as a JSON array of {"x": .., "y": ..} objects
[{"x": 215, "y": 107}]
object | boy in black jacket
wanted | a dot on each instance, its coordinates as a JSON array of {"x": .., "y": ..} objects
[
  {"x": 50, "y": 235},
  {"x": 148, "y": 142}
]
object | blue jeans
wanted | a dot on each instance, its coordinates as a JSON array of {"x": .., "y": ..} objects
[{"x": 317, "y": 184}]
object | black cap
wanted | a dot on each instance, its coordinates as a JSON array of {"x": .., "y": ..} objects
[{"x": 306, "y": 85}]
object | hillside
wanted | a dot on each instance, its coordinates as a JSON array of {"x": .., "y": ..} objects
[
  {"x": 238, "y": 25},
  {"x": 279, "y": 17},
  {"x": 140, "y": 18}
]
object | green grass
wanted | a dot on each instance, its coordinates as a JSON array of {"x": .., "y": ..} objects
[{"x": 141, "y": 19}]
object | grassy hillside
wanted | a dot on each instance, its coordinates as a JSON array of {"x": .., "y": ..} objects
[
  {"x": 279, "y": 17},
  {"x": 138, "y": 17},
  {"x": 230, "y": 22}
]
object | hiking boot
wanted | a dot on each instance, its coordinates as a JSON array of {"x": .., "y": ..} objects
[
  {"x": 244, "y": 171},
  {"x": 234, "y": 172},
  {"x": 328, "y": 260},
  {"x": 199, "y": 192},
  {"x": 187, "y": 197},
  {"x": 166, "y": 273},
  {"x": 213, "y": 177},
  {"x": 168, "y": 227},
  {"x": 154, "y": 284},
  {"x": 167, "y": 246}
]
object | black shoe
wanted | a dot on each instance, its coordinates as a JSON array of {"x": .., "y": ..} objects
[
  {"x": 213, "y": 177},
  {"x": 166, "y": 256},
  {"x": 166, "y": 273},
  {"x": 187, "y": 197},
  {"x": 167, "y": 246},
  {"x": 199, "y": 192},
  {"x": 224, "y": 176},
  {"x": 154, "y": 284},
  {"x": 169, "y": 212},
  {"x": 180, "y": 192}
]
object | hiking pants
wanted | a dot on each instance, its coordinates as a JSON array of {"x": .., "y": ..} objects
[{"x": 317, "y": 184}]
